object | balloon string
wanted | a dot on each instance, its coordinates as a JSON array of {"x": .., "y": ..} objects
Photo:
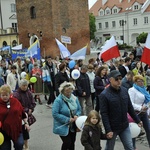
[{"x": 62, "y": 125}]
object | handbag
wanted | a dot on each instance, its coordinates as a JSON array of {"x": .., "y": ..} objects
[
  {"x": 73, "y": 124},
  {"x": 31, "y": 119}
]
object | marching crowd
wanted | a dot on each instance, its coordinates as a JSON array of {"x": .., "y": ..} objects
[{"x": 107, "y": 93}]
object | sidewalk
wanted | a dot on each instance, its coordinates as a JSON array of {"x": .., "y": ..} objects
[{"x": 42, "y": 137}]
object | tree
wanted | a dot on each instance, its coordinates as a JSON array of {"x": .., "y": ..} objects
[
  {"x": 142, "y": 38},
  {"x": 92, "y": 26}
]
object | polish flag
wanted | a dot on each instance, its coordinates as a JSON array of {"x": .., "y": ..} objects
[
  {"x": 146, "y": 52},
  {"x": 110, "y": 50}
]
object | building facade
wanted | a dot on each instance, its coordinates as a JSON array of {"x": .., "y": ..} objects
[
  {"x": 8, "y": 23},
  {"x": 124, "y": 19},
  {"x": 49, "y": 19}
]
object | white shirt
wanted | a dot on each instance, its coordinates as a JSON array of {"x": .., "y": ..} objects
[{"x": 137, "y": 98}]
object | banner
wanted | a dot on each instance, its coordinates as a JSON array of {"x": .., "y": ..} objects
[{"x": 21, "y": 53}]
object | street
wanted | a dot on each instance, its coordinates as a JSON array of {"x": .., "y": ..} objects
[{"x": 42, "y": 137}]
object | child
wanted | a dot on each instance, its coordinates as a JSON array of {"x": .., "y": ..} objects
[{"x": 92, "y": 132}]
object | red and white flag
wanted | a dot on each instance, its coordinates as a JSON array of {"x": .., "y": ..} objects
[
  {"x": 146, "y": 52},
  {"x": 110, "y": 50}
]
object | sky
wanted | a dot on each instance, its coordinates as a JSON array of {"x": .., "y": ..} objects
[{"x": 91, "y": 2}]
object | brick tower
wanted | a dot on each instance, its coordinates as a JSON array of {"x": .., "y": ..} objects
[{"x": 49, "y": 19}]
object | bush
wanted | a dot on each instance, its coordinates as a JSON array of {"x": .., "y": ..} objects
[{"x": 124, "y": 46}]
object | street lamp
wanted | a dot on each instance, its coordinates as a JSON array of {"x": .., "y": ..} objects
[{"x": 122, "y": 23}]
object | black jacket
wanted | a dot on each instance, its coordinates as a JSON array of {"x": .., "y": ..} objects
[
  {"x": 100, "y": 83},
  {"x": 59, "y": 79},
  {"x": 123, "y": 71},
  {"x": 114, "y": 106},
  {"x": 83, "y": 85},
  {"x": 91, "y": 136}
]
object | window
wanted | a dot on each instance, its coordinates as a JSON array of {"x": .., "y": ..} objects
[
  {"x": 115, "y": 11},
  {"x": 32, "y": 12},
  {"x": 100, "y": 39},
  {"x": 14, "y": 26},
  {"x": 101, "y": 13},
  {"x": 145, "y": 20},
  {"x": 134, "y": 21},
  {"x": 100, "y": 25},
  {"x": 106, "y": 24},
  {"x": 136, "y": 7},
  {"x": 107, "y": 12},
  {"x": 13, "y": 7},
  {"x": 121, "y": 37},
  {"x": 14, "y": 43},
  {"x": 122, "y": 22},
  {"x": 4, "y": 43},
  {"x": 113, "y": 24}
]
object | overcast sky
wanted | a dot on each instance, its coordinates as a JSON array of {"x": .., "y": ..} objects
[{"x": 91, "y": 2}]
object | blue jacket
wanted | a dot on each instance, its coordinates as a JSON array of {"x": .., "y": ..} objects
[{"x": 61, "y": 115}]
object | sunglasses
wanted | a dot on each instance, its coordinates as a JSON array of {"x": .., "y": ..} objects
[{"x": 118, "y": 78}]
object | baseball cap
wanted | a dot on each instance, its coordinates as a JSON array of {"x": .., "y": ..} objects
[{"x": 114, "y": 74}]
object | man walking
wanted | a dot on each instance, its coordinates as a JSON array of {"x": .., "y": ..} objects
[
  {"x": 84, "y": 91},
  {"x": 114, "y": 106}
]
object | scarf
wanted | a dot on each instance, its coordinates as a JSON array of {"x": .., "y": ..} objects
[
  {"x": 144, "y": 92},
  {"x": 12, "y": 125},
  {"x": 71, "y": 102}
]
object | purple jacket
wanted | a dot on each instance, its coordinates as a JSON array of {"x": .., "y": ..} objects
[{"x": 26, "y": 99}]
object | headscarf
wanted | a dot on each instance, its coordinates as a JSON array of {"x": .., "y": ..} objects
[
  {"x": 71, "y": 101},
  {"x": 143, "y": 91}
]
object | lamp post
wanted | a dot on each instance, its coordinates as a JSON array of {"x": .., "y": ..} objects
[{"x": 122, "y": 23}]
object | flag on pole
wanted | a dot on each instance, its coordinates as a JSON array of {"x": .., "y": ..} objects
[
  {"x": 63, "y": 50},
  {"x": 110, "y": 50},
  {"x": 146, "y": 52},
  {"x": 79, "y": 54},
  {"x": 32, "y": 50}
]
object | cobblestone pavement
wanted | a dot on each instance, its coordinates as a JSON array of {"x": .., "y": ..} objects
[{"x": 42, "y": 137}]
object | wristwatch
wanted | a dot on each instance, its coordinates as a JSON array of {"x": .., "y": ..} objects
[{"x": 26, "y": 123}]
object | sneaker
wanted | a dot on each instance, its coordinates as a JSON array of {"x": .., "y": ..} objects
[{"x": 49, "y": 105}]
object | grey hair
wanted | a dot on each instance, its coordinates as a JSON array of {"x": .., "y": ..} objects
[
  {"x": 23, "y": 82},
  {"x": 66, "y": 85}
]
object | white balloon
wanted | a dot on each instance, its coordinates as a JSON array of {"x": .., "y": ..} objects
[
  {"x": 134, "y": 129},
  {"x": 23, "y": 75},
  {"x": 0, "y": 57},
  {"x": 80, "y": 122},
  {"x": 75, "y": 74}
]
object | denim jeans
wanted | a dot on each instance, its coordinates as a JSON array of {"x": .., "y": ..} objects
[
  {"x": 125, "y": 136},
  {"x": 18, "y": 145},
  {"x": 146, "y": 125}
]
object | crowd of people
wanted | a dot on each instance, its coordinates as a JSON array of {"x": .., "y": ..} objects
[{"x": 105, "y": 92}]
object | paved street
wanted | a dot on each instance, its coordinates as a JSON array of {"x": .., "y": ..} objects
[{"x": 42, "y": 137}]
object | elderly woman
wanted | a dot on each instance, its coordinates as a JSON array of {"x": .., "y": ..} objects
[
  {"x": 11, "y": 115},
  {"x": 26, "y": 99},
  {"x": 141, "y": 100},
  {"x": 65, "y": 110}
]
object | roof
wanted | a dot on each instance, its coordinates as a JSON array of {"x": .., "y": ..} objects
[{"x": 123, "y": 5}]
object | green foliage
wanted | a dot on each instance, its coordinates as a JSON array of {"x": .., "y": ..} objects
[
  {"x": 124, "y": 46},
  {"x": 92, "y": 26},
  {"x": 142, "y": 38},
  {"x": 107, "y": 38}
]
